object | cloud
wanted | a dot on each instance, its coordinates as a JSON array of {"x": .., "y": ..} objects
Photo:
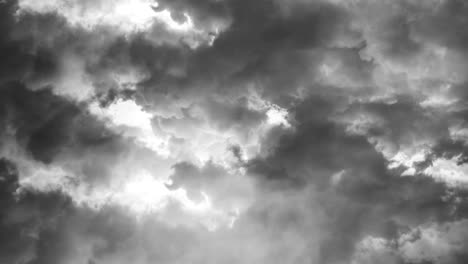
[
  {"x": 263, "y": 131},
  {"x": 429, "y": 243}
]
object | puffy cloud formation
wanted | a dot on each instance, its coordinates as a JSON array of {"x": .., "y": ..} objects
[{"x": 227, "y": 131}]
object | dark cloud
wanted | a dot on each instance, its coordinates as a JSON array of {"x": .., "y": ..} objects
[
  {"x": 367, "y": 198},
  {"x": 271, "y": 132},
  {"x": 51, "y": 128},
  {"x": 444, "y": 25},
  {"x": 254, "y": 50},
  {"x": 24, "y": 217}
]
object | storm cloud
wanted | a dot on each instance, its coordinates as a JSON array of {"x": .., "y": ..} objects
[{"x": 227, "y": 131}]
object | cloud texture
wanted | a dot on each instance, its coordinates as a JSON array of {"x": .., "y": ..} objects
[{"x": 233, "y": 131}]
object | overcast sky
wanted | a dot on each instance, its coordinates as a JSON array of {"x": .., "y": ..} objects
[{"x": 233, "y": 132}]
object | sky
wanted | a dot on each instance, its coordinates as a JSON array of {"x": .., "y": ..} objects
[{"x": 233, "y": 132}]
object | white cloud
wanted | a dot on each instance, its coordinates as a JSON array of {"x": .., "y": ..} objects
[
  {"x": 133, "y": 121},
  {"x": 449, "y": 171},
  {"x": 277, "y": 116},
  {"x": 131, "y": 187},
  {"x": 125, "y": 15}
]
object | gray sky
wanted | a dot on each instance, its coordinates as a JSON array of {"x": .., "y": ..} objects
[{"x": 233, "y": 132}]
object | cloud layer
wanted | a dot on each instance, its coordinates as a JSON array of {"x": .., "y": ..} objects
[{"x": 261, "y": 131}]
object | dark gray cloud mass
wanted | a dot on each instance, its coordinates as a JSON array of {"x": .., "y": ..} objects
[{"x": 233, "y": 131}]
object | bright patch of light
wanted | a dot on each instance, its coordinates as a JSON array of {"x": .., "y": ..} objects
[
  {"x": 135, "y": 12},
  {"x": 143, "y": 193},
  {"x": 277, "y": 116},
  {"x": 165, "y": 16},
  {"x": 126, "y": 15},
  {"x": 190, "y": 205},
  {"x": 449, "y": 171},
  {"x": 203, "y": 156},
  {"x": 128, "y": 114},
  {"x": 409, "y": 159}
]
